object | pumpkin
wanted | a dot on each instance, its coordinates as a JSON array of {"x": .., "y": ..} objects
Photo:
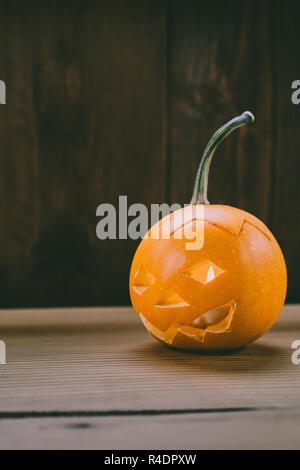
[{"x": 222, "y": 295}]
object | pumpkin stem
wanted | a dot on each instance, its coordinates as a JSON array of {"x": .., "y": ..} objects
[{"x": 201, "y": 182}]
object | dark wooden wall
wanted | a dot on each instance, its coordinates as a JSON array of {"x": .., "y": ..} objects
[{"x": 109, "y": 98}]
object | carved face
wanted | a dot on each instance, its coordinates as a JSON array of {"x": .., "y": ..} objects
[{"x": 222, "y": 296}]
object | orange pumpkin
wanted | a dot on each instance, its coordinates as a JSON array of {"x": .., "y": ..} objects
[{"x": 223, "y": 295}]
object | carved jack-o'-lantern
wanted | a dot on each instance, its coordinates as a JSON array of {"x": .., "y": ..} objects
[{"x": 224, "y": 294}]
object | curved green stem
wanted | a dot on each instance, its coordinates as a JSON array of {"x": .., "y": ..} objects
[{"x": 201, "y": 182}]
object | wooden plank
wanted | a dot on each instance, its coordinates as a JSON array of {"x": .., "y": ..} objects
[
  {"x": 238, "y": 431},
  {"x": 84, "y": 122},
  {"x": 213, "y": 79},
  {"x": 285, "y": 224},
  {"x": 104, "y": 360},
  {"x": 228, "y": 57},
  {"x": 19, "y": 185}
]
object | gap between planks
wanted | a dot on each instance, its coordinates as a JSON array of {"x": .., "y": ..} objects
[{"x": 111, "y": 413}]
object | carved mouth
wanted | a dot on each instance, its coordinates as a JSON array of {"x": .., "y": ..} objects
[
  {"x": 212, "y": 317},
  {"x": 216, "y": 321}
]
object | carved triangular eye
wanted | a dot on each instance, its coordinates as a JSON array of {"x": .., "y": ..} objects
[
  {"x": 204, "y": 272},
  {"x": 210, "y": 274},
  {"x": 170, "y": 299},
  {"x": 143, "y": 280}
]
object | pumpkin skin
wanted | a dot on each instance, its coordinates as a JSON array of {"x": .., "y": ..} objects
[
  {"x": 171, "y": 287},
  {"x": 222, "y": 295}
]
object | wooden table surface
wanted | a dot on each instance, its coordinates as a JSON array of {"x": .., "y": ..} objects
[{"x": 94, "y": 378}]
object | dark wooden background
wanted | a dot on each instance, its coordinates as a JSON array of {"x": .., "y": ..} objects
[{"x": 109, "y": 98}]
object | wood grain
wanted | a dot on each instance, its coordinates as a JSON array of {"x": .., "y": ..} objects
[
  {"x": 227, "y": 58},
  {"x": 214, "y": 78},
  {"x": 94, "y": 379},
  {"x": 106, "y": 98},
  {"x": 103, "y": 360},
  {"x": 286, "y": 195},
  {"x": 276, "y": 430},
  {"x": 84, "y": 124}
]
